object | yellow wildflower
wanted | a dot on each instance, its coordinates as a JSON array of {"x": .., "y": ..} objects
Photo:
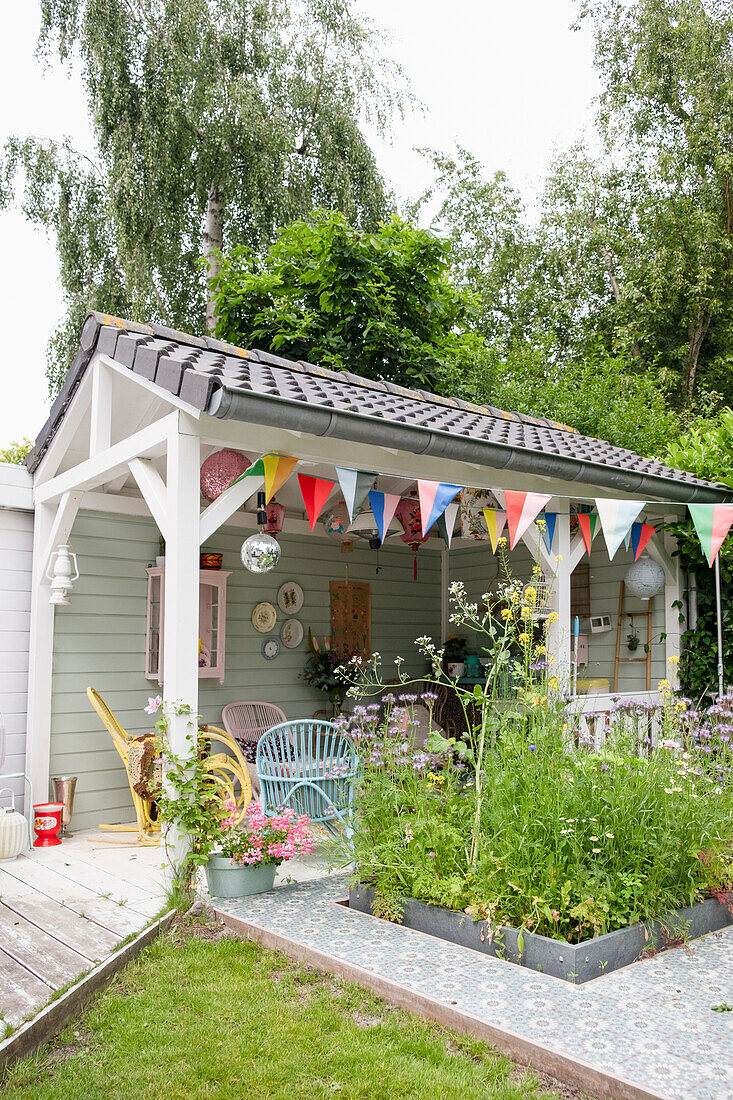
[
  {"x": 552, "y": 617},
  {"x": 664, "y": 687},
  {"x": 554, "y": 683},
  {"x": 530, "y": 594},
  {"x": 541, "y": 650},
  {"x": 674, "y": 660},
  {"x": 501, "y": 543},
  {"x": 526, "y": 612},
  {"x": 506, "y": 614},
  {"x": 523, "y": 639},
  {"x": 558, "y": 558},
  {"x": 681, "y": 704}
]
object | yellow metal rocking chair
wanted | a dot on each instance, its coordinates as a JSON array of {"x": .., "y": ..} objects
[{"x": 228, "y": 770}]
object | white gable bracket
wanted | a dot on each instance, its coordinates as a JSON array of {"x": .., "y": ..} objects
[
  {"x": 60, "y": 529},
  {"x": 154, "y": 492},
  {"x": 225, "y": 505}
]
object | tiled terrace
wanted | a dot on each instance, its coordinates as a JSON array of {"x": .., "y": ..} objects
[{"x": 647, "y": 1030}]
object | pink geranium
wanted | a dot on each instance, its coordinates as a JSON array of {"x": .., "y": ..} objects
[{"x": 259, "y": 839}]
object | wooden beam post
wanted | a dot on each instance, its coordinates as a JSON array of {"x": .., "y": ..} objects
[
  {"x": 40, "y": 669},
  {"x": 181, "y": 626},
  {"x": 560, "y": 633}
]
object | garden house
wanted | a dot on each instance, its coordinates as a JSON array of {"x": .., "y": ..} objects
[{"x": 118, "y": 468}]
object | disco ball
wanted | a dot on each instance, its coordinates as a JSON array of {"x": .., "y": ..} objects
[
  {"x": 260, "y": 553},
  {"x": 644, "y": 578}
]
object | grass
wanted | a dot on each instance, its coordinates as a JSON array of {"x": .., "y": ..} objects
[{"x": 201, "y": 1014}]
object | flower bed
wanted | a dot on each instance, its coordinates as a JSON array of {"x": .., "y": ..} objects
[{"x": 520, "y": 825}]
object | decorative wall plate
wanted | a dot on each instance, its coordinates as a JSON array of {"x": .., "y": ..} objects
[
  {"x": 291, "y": 633},
  {"x": 270, "y": 649},
  {"x": 290, "y": 598},
  {"x": 264, "y": 617}
]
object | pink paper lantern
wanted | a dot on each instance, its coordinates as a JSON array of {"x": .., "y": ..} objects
[
  {"x": 408, "y": 514},
  {"x": 219, "y": 470},
  {"x": 275, "y": 517}
]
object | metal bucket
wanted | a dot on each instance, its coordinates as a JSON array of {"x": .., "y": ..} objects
[{"x": 64, "y": 787}]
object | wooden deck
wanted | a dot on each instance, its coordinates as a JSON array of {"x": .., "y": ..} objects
[{"x": 65, "y": 909}]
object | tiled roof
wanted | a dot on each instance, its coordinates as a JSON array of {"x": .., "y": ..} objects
[{"x": 198, "y": 369}]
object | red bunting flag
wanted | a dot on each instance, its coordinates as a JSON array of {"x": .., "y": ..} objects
[
  {"x": 315, "y": 492},
  {"x": 587, "y": 522},
  {"x": 521, "y": 509}
]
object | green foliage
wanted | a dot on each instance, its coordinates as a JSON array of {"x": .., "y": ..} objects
[
  {"x": 215, "y": 121},
  {"x": 706, "y": 449},
  {"x": 16, "y": 452},
  {"x": 223, "y": 1017},
  {"x": 566, "y": 841},
  {"x": 379, "y": 304}
]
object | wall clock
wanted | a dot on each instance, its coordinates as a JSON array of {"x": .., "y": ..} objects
[{"x": 270, "y": 649}]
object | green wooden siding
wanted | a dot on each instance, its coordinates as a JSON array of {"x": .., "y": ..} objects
[{"x": 99, "y": 639}]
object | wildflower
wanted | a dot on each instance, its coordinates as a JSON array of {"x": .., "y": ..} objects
[
  {"x": 526, "y": 612},
  {"x": 610, "y": 836},
  {"x": 532, "y": 748},
  {"x": 594, "y": 838},
  {"x": 668, "y": 743},
  {"x": 530, "y": 594},
  {"x": 523, "y": 639},
  {"x": 558, "y": 558},
  {"x": 552, "y": 617},
  {"x": 154, "y": 704},
  {"x": 541, "y": 650},
  {"x": 501, "y": 543},
  {"x": 554, "y": 683},
  {"x": 596, "y": 850},
  {"x": 506, "y": 614},
  {"x": 674, "y": 660}
]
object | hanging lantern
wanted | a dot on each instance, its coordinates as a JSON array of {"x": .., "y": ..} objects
[
  {"x": 62, "y": 572},
  {"x": 219, "y": 470},
  {"x": 275, "y": 516},
  {"x": 336, "y": 523},
  {"x": 408, "y": 514},
  {"x": 260, "y": 552},
  {"x": 644, "y": 578}
]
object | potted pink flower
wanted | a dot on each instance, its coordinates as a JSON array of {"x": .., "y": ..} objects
[{"x": 246, "y": 857}]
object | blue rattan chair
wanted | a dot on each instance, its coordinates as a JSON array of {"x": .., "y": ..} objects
[{"x": 309, "y": 766}]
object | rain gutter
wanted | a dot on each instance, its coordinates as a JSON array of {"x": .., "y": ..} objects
[{"x": 317, "y": 420}]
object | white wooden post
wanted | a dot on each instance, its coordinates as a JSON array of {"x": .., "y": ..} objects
[
  {"x": 672, "y": 593},
  {"x": 560, "y": 633},
  {"x": 181, "y": 629},
  {"x": 444, "y": 595},
  {"x": 40, "y": 669}
]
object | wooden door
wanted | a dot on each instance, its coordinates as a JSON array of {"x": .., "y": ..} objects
[{"x": 351, "y": 618}]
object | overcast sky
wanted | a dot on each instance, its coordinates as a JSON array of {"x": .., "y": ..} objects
[{"x": 511, "y": 82}]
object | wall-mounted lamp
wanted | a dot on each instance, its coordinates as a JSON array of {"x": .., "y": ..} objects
[{"x": 62, "y": 572}]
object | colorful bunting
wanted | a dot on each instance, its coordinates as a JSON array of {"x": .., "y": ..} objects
[
  {"x": 495, "y": 521},
  {"x": 588, "y": 521},
  {"x": 712, "y": 523},
  {"x": 435, "y": 496},
  {"x": 383, "y": 506},
  {"x": 616, "y": 518},
  {"x": 640, "y": 535},
  {"x": 548, "y": 530},
  {"x": 278, "y": 469},
  {"x": 257, "y": 469},
  {"x": 521, "y": 509},
  {"x": 355, "y": 485},
  {"x": 315, "y": 492},
  {"x": 447, "y": 522}
]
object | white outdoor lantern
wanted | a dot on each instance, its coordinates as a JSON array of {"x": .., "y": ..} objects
[
  {"x": 62, "y": 572},
  {"x": 644, "y": 578}
]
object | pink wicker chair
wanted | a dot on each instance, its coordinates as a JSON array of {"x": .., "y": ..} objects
[{"x": 246, "y": 723}]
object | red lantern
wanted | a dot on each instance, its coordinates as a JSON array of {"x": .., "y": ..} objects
[
  {"x": 408, "y": 514},
  {"x": 275, "y": 517},
  {"x": 47, "y": 823},
  {"x": 219, "y": 470}
]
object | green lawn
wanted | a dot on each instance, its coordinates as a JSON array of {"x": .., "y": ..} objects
[{"x": 198, "y": 1015}]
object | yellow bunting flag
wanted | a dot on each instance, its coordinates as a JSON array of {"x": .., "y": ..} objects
[
  {"x": 495, "y": 521},
  {"x": 278, "y": 469}
]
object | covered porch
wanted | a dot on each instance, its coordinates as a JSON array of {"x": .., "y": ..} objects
[{"x": 118, "y": 465}]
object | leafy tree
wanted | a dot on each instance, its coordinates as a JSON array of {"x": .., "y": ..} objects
[
  {"x": 16, "y": 452},
  {"x": 215, "y": 121},
  {"x": 378, "y": 304},
  {"x": 667, "y": 110}
]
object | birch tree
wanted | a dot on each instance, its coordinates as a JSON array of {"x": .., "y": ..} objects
[{"x": 215, "y": 122}]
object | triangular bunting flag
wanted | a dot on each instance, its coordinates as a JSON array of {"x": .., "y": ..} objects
[
  {"x": 278, "y": 469},
  {"x": 521, "y": 509},
  {"x": 315, "y": 492},
  {"x": 640, "y": 535},
  {"x": 257, "y": 469},
  {"x": 548, "y": 530},
  {"x": 712, "y": 523},
  {"x": 588, "y": 521},
  {"x": 495, "y": 522},
  {"x": 355, "y": 485},
  {"x": 383, "y": 506},
  {"x": 435, "y": 496},
  {"x": 447, "y": 522},
  {"x": 616, "y": 518}
]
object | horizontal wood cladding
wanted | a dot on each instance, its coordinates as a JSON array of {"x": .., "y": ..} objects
[
  {"x": 100, "y": 638},
  {"x": 16, "y": 558}
]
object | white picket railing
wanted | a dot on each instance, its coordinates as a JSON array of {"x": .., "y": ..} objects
[{"x": 591, "y": 717}]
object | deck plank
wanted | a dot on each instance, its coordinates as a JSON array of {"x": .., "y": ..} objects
[
  {"x": 20, "y": 991},
  {"x": 46, "y": 958},
  {"x": 88, "y": 903},
  {"x": 98, "y": 879},
  {"x": 78, "y": 932}
]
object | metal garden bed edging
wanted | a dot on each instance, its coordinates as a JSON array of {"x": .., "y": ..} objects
[
  {"x": 575, "y": 963},
  {"x": 56, "y": 1015}
]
